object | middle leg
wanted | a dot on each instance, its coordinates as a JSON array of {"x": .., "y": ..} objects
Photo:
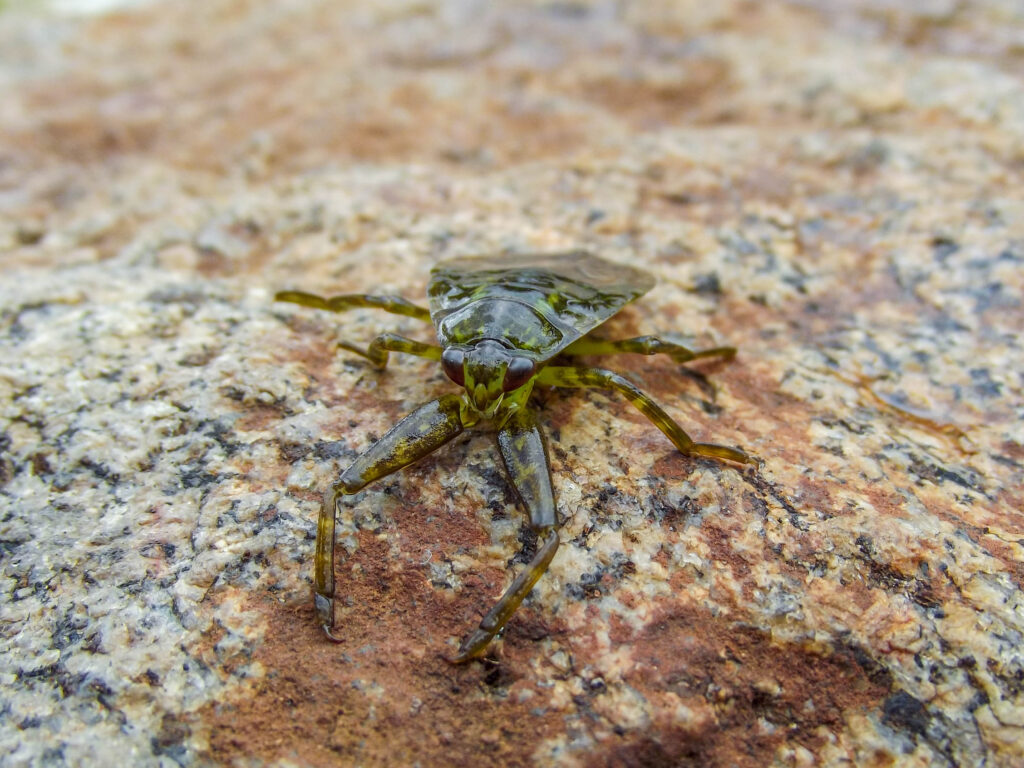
[
  {"x": 598, "y": 378},
  {"x": 525, "y": 455},
  {"x": 377, "y": 352}
]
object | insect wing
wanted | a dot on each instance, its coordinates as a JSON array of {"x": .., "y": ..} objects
[{"x": 537, "y": 303}]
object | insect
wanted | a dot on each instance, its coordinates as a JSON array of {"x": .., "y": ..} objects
[{"x": 505, "y": 325}]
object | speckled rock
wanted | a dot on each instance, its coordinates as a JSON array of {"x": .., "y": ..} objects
[{"x": 835, "y": 188}]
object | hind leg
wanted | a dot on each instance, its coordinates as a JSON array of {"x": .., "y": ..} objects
[
  {"x": 645, "y": 345},
  {"x": 396, "y": 305}
]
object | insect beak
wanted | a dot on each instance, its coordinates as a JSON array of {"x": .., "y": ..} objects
[
  {"x": 482, "y": 401},
  {"x": 480, "y": 397}
]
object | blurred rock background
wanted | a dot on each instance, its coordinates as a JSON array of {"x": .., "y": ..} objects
[{"x": 834, "y": 186}]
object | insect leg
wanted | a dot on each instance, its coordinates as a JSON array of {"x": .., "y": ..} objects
[
  {"x": 524, "y": 452},
  {"x": 377, "y": 352},
  {"x": 645, "y": 345},
  {"x": 421, "y": 432},
  {"x": 396, "y": 305},
  {"x": 598, "y": 378}
]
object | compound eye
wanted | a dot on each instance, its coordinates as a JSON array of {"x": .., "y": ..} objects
[
  {"x": 451, "y": 362},
  {"x": 520, "y": 370}
]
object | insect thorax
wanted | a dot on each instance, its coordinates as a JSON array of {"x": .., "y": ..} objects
[{"x": 509, "y": 321}]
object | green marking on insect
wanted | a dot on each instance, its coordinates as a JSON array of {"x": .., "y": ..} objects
[{"x": 505, "y": 325}]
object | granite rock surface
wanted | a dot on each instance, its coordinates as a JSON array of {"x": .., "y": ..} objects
[{"x": 834, "y": 187}]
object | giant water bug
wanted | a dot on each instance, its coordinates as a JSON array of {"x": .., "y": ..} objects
[{"x": 505, "y": 325}]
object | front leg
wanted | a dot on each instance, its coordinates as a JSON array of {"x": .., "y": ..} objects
[
  {"x": 525, "y": 455},
  {"x": 421, "y": 432}
]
